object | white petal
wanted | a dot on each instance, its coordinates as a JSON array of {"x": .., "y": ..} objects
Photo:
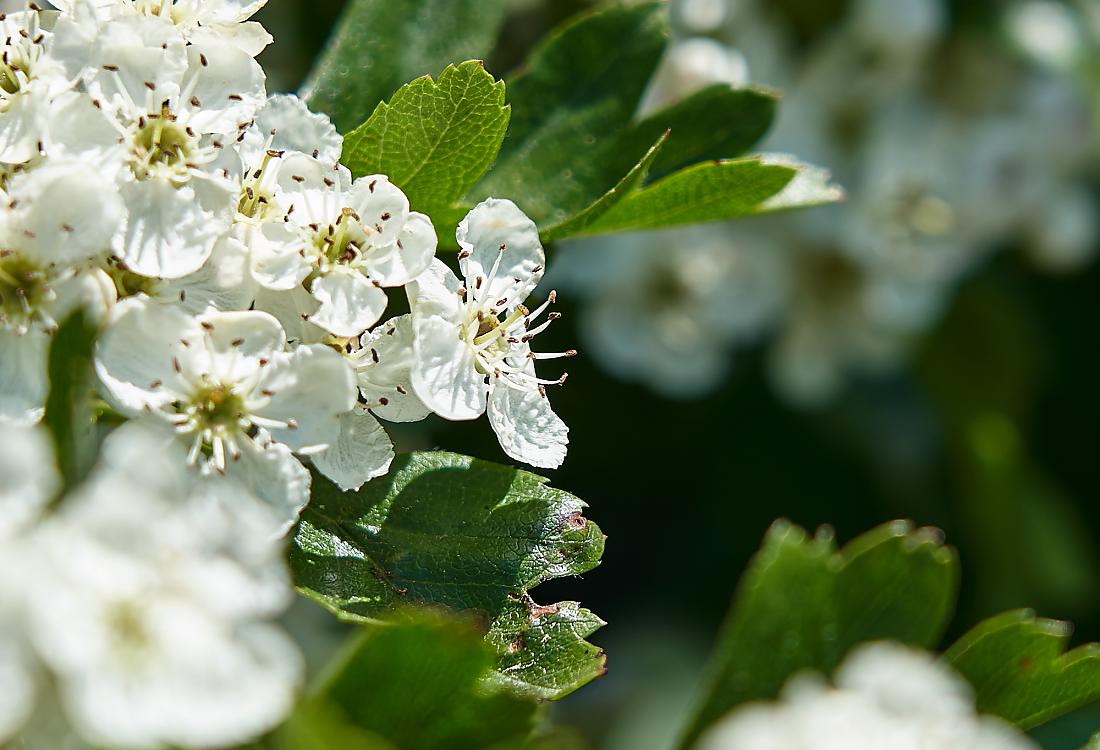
[
  {"x": 494, "y": 225},
  {"x": 126, "y": 53},
  {"x": 228, "y": 84},
  {"x": 275, "y": 259},
  {"x": 65, "y": 213},
  {"x": 134, "y": 357},
  {"x": 23, "y": 379},
  {"x": 276, "y": 477},
  {"x": 401, "y": 261},
  {"x": 350, "y": 302},
  {"x": 295, "y": 128},
  {"x": 89, "y": 288},
  {"x": 381, "y": 206},
  {"x": 385, "y": 372},
  {"x": 292, "y": 309},
  {"x": 249, "y": 37},
  {"x": 435, "y": 292},
  {"x": 443, "y": 373},
  {"x": 223, "y": 283},
  {"x": 17, "y": 687},
  {"x": 527, "y": 428},
  {"x": 362, "y": 452},
  {"x": 170, "y": 232},
  {"x": 30, "y": 479},
  {"x": 310, "y": 386},
  {"x": 21, "y": 126},
  {"x": 236, "y": 343}
]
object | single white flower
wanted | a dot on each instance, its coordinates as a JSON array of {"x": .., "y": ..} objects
[
  {"x": 471, "y": 342},
  {"x": 151, "y": 608},
  {"x": 356, "y": 237},
  {"x": 885, "y": 696},
  {"x": 228, "y": 386},
  {"x": 172, "y": 109}
]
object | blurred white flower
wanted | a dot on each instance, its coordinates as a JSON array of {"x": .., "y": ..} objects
[
  {"x": 668, "y": 308},
  {"x": 689, "y": 66},
  {"x": 150, "y": 602},
  {"x": 29, "y": 79},
  {"x": 885, "y": 696},
  {"x": 471, "y": 338}
]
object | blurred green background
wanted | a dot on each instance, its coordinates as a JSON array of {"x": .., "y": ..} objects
[{"x": 990, "y": 434}]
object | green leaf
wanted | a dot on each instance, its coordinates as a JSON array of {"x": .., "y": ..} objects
[
  {"x": 70, "y": 415},
  {"x": 434, "y": 139},
  {"x": 420, "y": 683},
  {"x": 804, "y": 605},
  {"x": 627, "y": 185},
  {"x": 380, "y": 45},
  {"x": 543, "y": 651},
  {"x": 705, "y": 192},
  {"x": 579, "y": 89},
  {"x": 717, "y": 122},
  {"x": 449, "y": 530},
  {"x": 1020, "y": 670}
]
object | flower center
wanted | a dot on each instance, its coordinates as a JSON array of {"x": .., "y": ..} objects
[
  {"x": 129, "y": 631},
  {"x": 162, "y": 145},
  {"x": 24, "y": 290},
  {"x": 217, "y": 409},
  {"x": 340, "y": 242}
]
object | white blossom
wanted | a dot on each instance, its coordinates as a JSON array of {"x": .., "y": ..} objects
[
  {"x": 228, "y": 385},
  {"x": 471, "y": 339},
  {"x": 172, "y": 108},
  {"x": 353, "y": 239},
  {"x": 885, "y": 696},
  {"x": 150, "y": 607}
]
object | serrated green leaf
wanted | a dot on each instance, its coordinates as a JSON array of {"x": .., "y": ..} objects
[
  {"x": 434, "y": 139},
  {"x": 543, "y": 649},
  {"x": 380, "y": 45},
  {"x": 70, "y": 416},
  {"x": 578, "y": 90},
  {"x": 803, "y": 605},
  {"x": 449, "y": 530},
  {"x": 420, "y": 683},
  {"x": 1020, "y": 670}
]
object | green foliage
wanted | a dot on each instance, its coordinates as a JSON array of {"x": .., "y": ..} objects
[
  {"x": 576, "y": 158},
  {"x": 470, "y": 535},
  {"x": 577, "y": 91},
  {"x": 802, "y": 604},
  {"x": 1020, "y": 670},
  {"x": 704, "y": 192},
  {"x": 70, "y": 416},
  {"x": 379, "y": 45},
  {"x": 434, "y": 139},
  {"x": 419, "y": 683}
]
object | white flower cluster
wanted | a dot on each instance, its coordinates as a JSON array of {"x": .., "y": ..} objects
[
  {"x": 137, "y": 614},
  {"x": 948, "y": 143},
  {"x": 885, "y": 696},
  {"x": 241, "y": 273}
]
